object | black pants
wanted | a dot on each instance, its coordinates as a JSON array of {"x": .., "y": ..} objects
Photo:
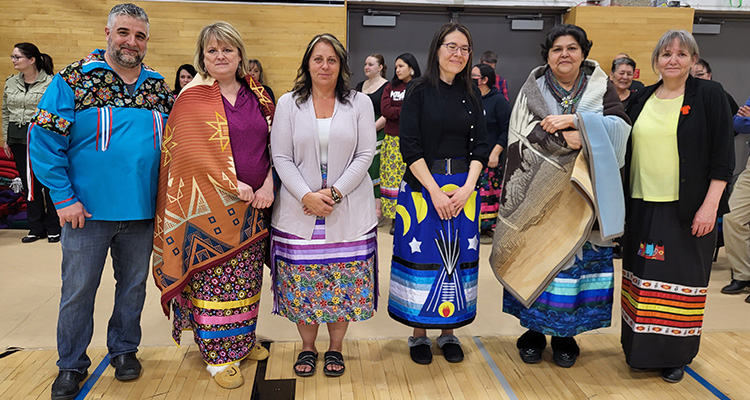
[{"x": 41, "y": 212}]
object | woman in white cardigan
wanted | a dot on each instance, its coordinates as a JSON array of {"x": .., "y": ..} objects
[{"x": 323, "y": 240}]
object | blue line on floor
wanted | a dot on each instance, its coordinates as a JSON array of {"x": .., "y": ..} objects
[
  {"x": 711, "y": 388},
  {"x": 93, "y": 378},
  {"x": 499, "y": 375}
]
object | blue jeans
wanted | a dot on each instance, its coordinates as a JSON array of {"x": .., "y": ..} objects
[{"x": 84, "y": 252}]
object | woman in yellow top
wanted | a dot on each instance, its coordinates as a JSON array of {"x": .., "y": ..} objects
[{"x": 679, "y": 161}]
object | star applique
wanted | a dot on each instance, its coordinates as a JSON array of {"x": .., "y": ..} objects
[
  {"x": 222, "y": 131},
  {"x": 415, "y": 245},
  {"x": 168, "y": 145},
  {"x": 473, "y": 243}
]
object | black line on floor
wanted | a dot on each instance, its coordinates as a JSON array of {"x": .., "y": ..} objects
[
  {"x": 276, "y": 389},
  {"x": 10, "y": 350}
]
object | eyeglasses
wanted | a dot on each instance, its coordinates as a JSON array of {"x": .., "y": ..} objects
[
  {"x": 16, "y": 58},
  {"x": 454, "y": 48}
]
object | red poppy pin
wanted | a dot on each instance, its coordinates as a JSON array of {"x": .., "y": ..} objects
[{"x": 685, "y": 110}]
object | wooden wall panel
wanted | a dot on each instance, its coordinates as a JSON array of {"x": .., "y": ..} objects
[
  {"x": 70, "y": 29},
  {"x": 632, "y": 30}
]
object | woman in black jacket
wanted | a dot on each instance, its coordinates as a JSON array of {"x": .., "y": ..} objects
[
  {"x": 497, "y": 114},
  {"x": 679, "y": 161},
  {"x": 436, "y": 242}
]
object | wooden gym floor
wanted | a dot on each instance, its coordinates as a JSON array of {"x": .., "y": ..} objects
[{"x": 378, "y": 364}]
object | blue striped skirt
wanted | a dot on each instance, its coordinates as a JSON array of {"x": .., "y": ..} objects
[
  {"x": 579, "y": 299},
  {"x": 435, "y": 262}
]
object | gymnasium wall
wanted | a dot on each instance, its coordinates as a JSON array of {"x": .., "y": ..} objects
[{"x": 68, "y": 30}]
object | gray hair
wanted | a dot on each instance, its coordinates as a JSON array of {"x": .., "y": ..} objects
[
  {"x": 622, "y": 61},
  {"x": 685, "y": 39},
  {"x": 128, "y": 9}
]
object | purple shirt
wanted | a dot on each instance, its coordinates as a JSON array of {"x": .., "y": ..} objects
[{"x": 248, "y": 134}]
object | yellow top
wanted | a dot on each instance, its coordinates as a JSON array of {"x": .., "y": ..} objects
[{"x": 655, "y": 163}]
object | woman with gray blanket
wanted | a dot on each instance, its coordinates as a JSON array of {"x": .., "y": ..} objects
[{"x": 562, "y": 201}]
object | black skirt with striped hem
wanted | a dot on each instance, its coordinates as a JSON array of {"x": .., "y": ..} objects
[{"x": 665, "y": 279}]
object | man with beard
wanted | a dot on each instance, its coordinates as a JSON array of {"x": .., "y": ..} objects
[{"x": 95, "y": 143}]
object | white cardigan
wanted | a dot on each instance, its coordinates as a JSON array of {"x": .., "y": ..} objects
[{"x": 295, "y": 149}]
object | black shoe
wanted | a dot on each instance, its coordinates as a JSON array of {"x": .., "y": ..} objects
[
  {"x": 565, "y": 351},
  {"x": 747, "y": 299},
  {"x": 393, "y": 227},
  {"x": 453, "y": 352},
  {"x": 31, "y": 238},
  {"x": 53, "y": 238},
  {"x": 421, "y": 354},
  {"x": 530, "y": 355},
  {"x": 634, "y": 369},
  {"x": 672, "y": 375},
  {"x": 617, "y": 252},
  {"x": 127, "y": 367},
  {"x": 735, "y": 287},
  {"x": 66, "y": 385},
  {"x": 530, "y": 346}
]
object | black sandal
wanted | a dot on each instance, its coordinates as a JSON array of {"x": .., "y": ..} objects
[
  {"x": 307, "y": 358},
  {"x": 334, "y": 358}
]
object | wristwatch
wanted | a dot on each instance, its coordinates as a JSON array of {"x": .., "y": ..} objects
[{"x": 335, "y": 195}]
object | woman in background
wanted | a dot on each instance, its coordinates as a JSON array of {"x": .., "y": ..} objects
[
  {"x": 373, "y": 87},
  {"x": 497, "y": 115},
  {"x": 392, "y": 165},
  {"x": 184, "y": 75},
  {"x": 256, "y": 71},
  {"x": 20, "y": 97},
  {"x": 623, "y": 69}
]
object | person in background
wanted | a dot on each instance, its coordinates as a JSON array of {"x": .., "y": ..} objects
[
  {"x": 679, "y": 161},
  {"x": 95, "y": 143},
  {"x": 392, "y": 165},
  {"x": 635, "y": 85},
  {"x": 21, "y": 95},
  {"x": 497, "y": 115},
  {"x": 184, "y": 75},
  {"x": 324, "y": 240},
  {"x": 373, "y": 87},
  {"x": 216, "y": 293},
  {"x": 702, "y": 70},
  {"x": 490, "y": 58},
  {"x": 737, "y": 221},
  {"x": 436, "y": 241},
  {"x": 622, "y": 77},
  {"x": 256, "y": 71}
]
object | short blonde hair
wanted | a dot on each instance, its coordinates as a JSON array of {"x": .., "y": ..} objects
[
  {"x": 685, "y": 39},
  {"x": 223, "y": 32}
]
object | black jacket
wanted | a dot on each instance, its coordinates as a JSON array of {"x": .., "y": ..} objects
[
  {"x": 705, "y": 142},
  {"x": 421, "y": 127},
  {"x": 497, "y": 115}
]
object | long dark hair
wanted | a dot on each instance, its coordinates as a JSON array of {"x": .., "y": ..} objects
[
  {"x": 42, "y": 61},
  {"x": 432, "y": 74},
  {"x": 303, "y": 83},
  {"x": 411, "y": 61},
  {"x": 187, "y": 67}
]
